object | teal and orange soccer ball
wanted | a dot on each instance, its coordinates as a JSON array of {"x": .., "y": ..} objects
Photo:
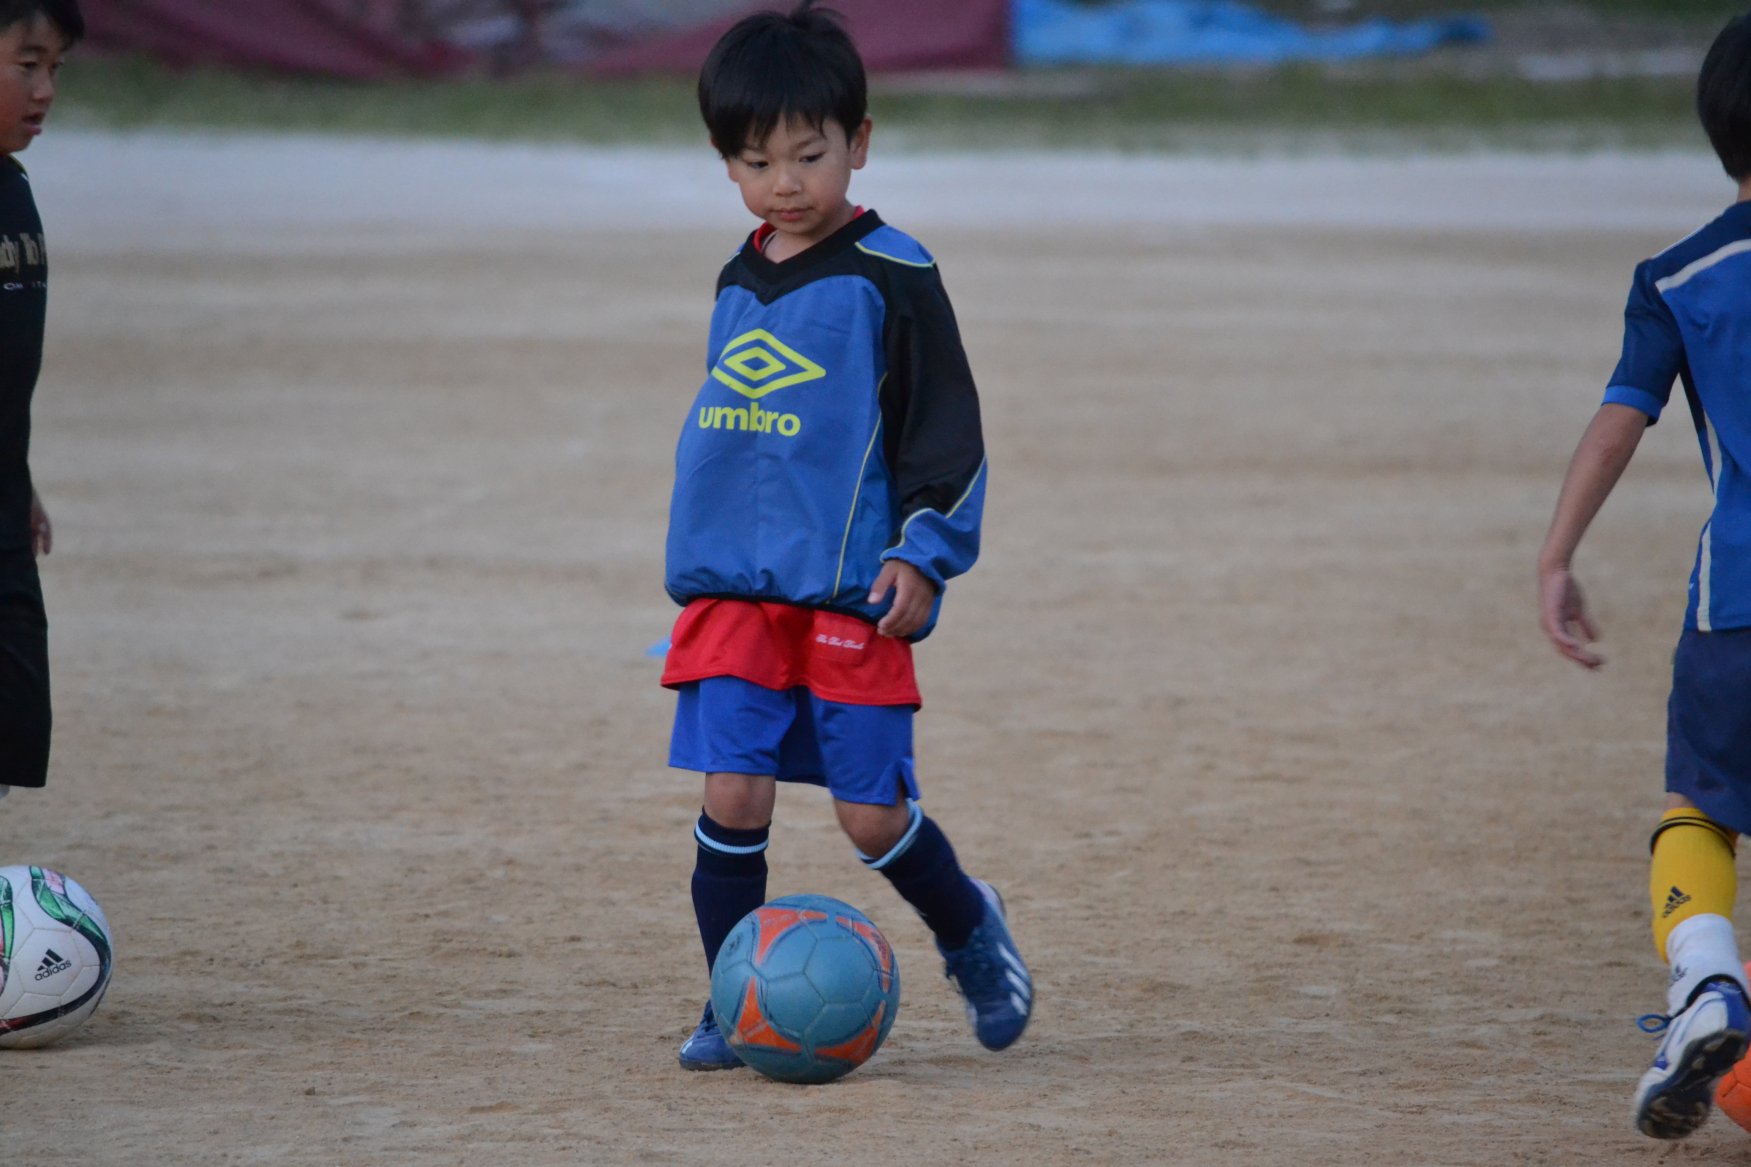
[
  {"x": 1733, "y": 1091},
  {"x": 805, "y": 989}
]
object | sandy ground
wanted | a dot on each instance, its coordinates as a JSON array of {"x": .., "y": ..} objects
[{"x": 359, "y": 459}]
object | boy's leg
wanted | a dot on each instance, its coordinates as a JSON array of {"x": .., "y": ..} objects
[
  {"x": 24, "y": 677},
  {"x": 729, "y": 869},
  {"x": 1692, "y": 884},
  {"x": 907, "y": 847},
  {"x": 723, "y": 722},
  {"x": 966, "y": 915},
  {"x": 867, "y": 752},
  {"x": 729, "y": 881}
]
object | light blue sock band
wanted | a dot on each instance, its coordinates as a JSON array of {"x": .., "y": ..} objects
[
  {"x": 711, "y": 844},
  {"x": 898, "y": 849}
]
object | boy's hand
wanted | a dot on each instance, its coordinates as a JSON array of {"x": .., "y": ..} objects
[
  {"x": 1604, "y": 450},
  {"x": 42, "y": 532},
  {"x": 1563, "y": 613},
  {"x": 913, "y": 597}
]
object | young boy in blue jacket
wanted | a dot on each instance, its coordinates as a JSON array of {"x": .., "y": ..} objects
[
  {"x": 829, "y": 481},
  {"x": 1688, "y": 321}
]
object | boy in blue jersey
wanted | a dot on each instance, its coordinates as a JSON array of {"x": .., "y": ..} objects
[
  {"x": 1688, "y": 320},
  {"x": 34, "y": 36},
  {"x": 829, "y": 481}
]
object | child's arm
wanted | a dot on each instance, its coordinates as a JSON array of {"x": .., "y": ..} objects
[
  {"x": 936, "y": 450},
  {"x": 42, "y": 532},
  {"x": 1600, "y": 457}
]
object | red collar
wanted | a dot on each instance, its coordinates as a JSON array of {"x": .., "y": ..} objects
[{"x": 764, "y": 232}]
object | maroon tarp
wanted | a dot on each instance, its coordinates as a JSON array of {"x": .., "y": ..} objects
[
  {"x": 325, "y": 37},
  {"x": 892, "y": 35}
]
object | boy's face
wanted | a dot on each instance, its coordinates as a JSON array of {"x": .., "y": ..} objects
[
  {"x": 797, "y": 178},
  {"x": 30, "y": 56}
]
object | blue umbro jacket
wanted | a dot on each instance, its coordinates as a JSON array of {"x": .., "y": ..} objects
[{"x": 838, "y": 427}]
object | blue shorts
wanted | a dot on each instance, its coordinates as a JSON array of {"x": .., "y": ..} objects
[
  {"x": 861, "y": 753},
  {"x": 1708, "y": 725}
]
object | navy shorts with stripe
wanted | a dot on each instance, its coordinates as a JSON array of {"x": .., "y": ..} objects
[
  {"x": 1708, "y": 725},
  {"x": 861, "y": 753}
]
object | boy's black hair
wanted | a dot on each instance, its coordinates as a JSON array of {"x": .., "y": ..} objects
[
  {"x": 774, "y": 66},
  {"x": 63, "y": 14},
  {"x": 1723, "y": 97}
]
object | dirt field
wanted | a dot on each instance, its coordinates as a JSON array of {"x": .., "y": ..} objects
[{"x": 359, "y": 461}]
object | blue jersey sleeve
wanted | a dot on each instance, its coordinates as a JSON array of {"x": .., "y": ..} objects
[{"x": 1653, "y": 350}]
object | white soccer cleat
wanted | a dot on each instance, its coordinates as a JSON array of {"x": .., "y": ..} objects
[{"x": 1703, "y": 1041}]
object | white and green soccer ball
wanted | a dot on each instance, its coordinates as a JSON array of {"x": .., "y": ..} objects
[{"x": 55, "y": 956}]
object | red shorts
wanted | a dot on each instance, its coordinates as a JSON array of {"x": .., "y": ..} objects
[{"x": 781, "y": 646}]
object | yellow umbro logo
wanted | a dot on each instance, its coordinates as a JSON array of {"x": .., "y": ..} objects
[{"x": 757, "y": 363}]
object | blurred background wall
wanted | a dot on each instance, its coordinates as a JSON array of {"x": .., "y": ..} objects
[{"x": 365, "y": 39}]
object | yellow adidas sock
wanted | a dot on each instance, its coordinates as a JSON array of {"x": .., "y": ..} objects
[{"x": 1691, "y": 872}]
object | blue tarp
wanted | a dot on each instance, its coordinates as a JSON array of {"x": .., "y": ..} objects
[{"x": 1212, "y": 32}]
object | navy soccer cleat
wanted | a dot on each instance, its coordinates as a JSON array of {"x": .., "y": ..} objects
[
  {"x": 991, "y": 976},
  {"x": 707, "y": 1049},
  {"x": 1703, "y": 1041}
]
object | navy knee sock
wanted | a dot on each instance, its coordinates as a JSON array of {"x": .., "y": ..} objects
[
  {"x": 729, "y": 880},
  {"x": 923, "y": 869}
]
